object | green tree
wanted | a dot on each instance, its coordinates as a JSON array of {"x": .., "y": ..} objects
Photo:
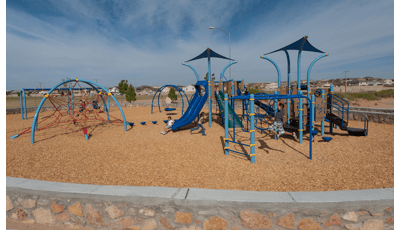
[
  {"x": 123, "y": 86},
  {"x": 172, "y": 95},
  {"x": 212, "y": 77},
  {"x": 130, "y": 94}
]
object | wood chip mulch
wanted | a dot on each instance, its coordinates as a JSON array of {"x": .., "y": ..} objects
[{"x": 144, "y": 157}]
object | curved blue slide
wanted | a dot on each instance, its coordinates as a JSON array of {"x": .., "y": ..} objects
[{"x": 195, "y": 106}]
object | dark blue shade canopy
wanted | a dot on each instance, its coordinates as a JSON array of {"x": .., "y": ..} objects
[
  {"x": 296, "y": 46},
  {"x": 209, "y": 53}
]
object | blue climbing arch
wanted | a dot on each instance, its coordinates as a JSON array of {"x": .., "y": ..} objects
[
  {"x": 90, "y": 83},
  {"x": 159, "y": 94}
]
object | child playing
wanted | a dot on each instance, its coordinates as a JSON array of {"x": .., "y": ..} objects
[
  {"x": 278, "y": 123},
  {"x": 199, "y": 124},
  {"x": 169, "y": 125}
]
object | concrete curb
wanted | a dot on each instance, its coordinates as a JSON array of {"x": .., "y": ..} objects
[{"x": 196, "y": 194}]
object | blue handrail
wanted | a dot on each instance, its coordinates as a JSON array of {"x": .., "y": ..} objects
[{"x": 335, "y": 100}]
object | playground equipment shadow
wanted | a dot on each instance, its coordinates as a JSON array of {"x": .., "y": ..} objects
[{"x": 144, "y": 157}]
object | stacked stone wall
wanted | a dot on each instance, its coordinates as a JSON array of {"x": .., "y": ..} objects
[{"x": 123, "y": 213}]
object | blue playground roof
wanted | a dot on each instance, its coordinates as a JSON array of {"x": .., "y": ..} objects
[
  {"x": 209, "y": 53},
  {"x": 296, "y": 46}
]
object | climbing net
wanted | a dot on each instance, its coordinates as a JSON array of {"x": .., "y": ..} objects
[{"x": 76, "y": 109}]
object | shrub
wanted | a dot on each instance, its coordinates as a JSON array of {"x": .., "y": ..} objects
[
  {"x": 172, "y": 95},
  {"x": 123, "y": 86},
  {"x": 370, "y": 96},
  {"x": 130, "y": 94}
]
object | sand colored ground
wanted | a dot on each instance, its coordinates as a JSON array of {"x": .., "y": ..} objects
[{"x": 144, "y": 157}]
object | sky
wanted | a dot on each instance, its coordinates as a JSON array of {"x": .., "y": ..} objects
[{"x": 146, "y": 42}]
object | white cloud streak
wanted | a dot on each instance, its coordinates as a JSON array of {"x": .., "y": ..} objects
[{"x": 87, "y": 41}]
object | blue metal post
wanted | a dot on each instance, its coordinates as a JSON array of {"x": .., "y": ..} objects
[
  {"x": 309, "y": 71},
  {"x": 311, "y": 123},
  {"x": 226, "y": 124},
  {"x": 323, "y": 120},
  {"x": 233, "y": 101},
  {"x": 299, "y": 63},
  {"x": 209, "y": 89},
  {"x": 288, "y": 83},
  {"x": 300, "y": 118},
  {"x": 22, "y": 108},
  {"x": 330, "y": 123},
  {"x": 275, "y": 109},
  {"x": 34, "y": 122},
  {"x": 108, "y": 109},
  {"x": 252, "y": 134},
  {"x": 23, "y": 91}
]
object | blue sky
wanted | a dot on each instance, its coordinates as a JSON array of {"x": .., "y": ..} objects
[{"x": 146, "y": 42}]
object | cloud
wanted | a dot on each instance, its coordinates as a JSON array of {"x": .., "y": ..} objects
[{"x": 149, "y": 41}]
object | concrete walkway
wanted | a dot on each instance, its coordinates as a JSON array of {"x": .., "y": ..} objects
[{"x": 197, "y": 194}]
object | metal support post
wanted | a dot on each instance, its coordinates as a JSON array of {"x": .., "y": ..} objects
[
  {"x": 226, "y": 124},
  {"x": 252, "y": 134}
]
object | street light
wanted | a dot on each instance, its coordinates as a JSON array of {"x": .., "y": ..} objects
[
  {"x": 213, "y": 28},
  {"x": 135, "y": 82}
]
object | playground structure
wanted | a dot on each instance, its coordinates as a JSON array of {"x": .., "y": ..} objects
[
  {"x": 74, "y": 113},
  {"x": 203, "y": 91},
  {"x": 302, "y": 109},
  {"x": 159, "y": 94},
  {"x": 251, "y": 116}
]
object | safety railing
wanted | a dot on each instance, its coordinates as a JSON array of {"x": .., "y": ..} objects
[{"x": 340, "y": 104}]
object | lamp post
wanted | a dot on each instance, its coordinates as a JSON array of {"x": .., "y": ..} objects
[
  {"x": 135, "y": 82},
  {"x": 345, "y": 79},
  {"x": 212, "y": 28}
]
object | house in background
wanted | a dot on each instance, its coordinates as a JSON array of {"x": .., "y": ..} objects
[
  {"x": 189, "y": 88},
  {"x": 113, "y": 89},
  {"x": 374, "y": 83},
  {"x": 388, "y": 81},
  {"x": 362, "y": 83}
]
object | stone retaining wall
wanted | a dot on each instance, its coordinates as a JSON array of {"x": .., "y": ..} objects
[
  {"x": 384, "y": 116},
  {"x": 83, "y": 211}
]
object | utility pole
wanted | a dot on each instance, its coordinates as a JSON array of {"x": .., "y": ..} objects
[
  {"x": 96, "y": 80},
  {"x": 40, "y": 83},
  {"x": 345, "y": 77}
]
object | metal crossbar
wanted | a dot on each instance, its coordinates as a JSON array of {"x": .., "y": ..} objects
[
  {"x": 237, "y": 152},
  {"x": 238, "y": 143}
]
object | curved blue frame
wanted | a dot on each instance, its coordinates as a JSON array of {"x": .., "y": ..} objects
[
  {"x": 309, "y": 71},
  {"x": 34, "y": 122},
  {"x": 276, "y": 67},
  {"x": 197, "y": 76},
  {"x": 223, "y": 71},
  {"x": 161, "y": 89}
]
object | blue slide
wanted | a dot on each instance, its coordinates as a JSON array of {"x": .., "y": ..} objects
[{"x": 194, "y": 108}]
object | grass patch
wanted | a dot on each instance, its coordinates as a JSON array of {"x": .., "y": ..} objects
[{"x": 370, "y": 96}]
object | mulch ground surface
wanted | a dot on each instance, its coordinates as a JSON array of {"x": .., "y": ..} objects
[{"x": 142, "y": 156}]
